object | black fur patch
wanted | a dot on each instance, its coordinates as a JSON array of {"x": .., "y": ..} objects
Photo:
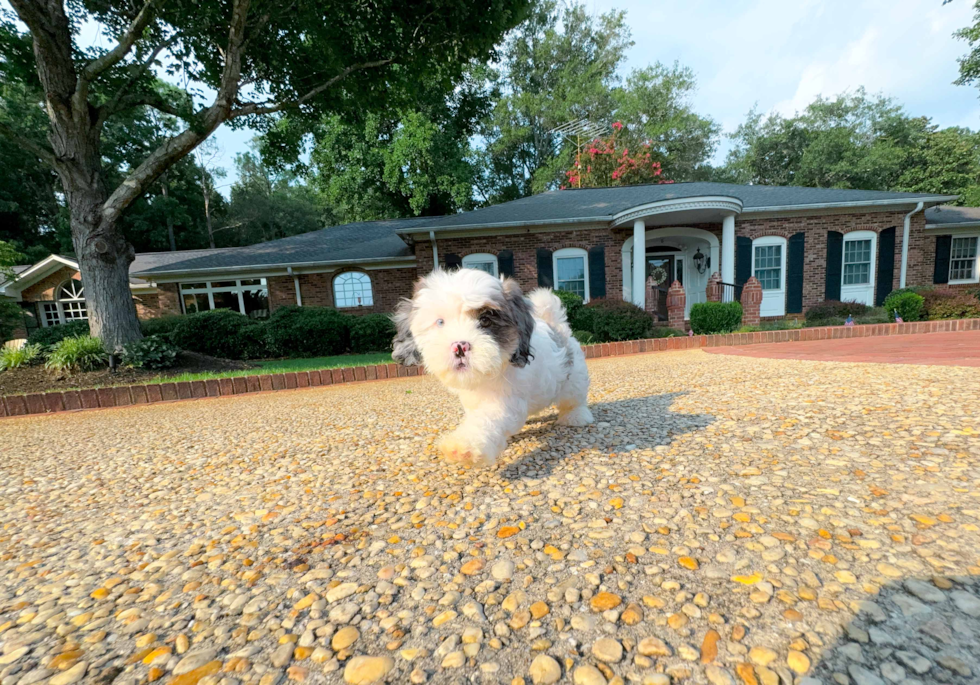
[
  {"x": 403, "y": 349},
  {"x": 512, "y": 325}
]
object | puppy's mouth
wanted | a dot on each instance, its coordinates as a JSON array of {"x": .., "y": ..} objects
[{"x": 461, "y": 365}]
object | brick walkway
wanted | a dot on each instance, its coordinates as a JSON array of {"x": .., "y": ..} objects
[{"x": 942, "y": 349}]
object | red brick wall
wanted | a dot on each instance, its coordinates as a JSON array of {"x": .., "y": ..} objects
[
  {"x": 164, "y": 302},
  {"x": 44, "y": 289},
  {"x": 922, "y": 269},
  {"x": 388, "y": 286}
]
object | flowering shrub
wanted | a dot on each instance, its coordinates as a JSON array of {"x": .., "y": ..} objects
[{"x": 608, "y": 162}]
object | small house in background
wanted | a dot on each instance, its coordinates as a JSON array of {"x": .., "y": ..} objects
[{"x": 803, "y": 245}]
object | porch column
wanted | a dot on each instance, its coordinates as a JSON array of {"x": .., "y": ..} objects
[
  {"x": 728, "y": 250},
  {"x": 639, "y": 263}
]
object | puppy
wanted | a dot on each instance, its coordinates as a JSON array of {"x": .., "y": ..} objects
[{"x": 504, "y": 355}]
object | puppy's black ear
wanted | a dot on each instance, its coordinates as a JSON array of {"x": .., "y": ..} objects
[
  {"x": 517, "y": 312},
  {"x": 403, "y": 348}
]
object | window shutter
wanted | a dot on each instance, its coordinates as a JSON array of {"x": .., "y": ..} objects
[
  {"x": 505, "y": 263},
  {"x": 743, "y": 259},
  {"x": 597, "y": 272},
  {"x": 835, "y": 258},
  {"x": 546, "y": 271},
  {"x": 886, "y": 265},
  {"x": 453, "y": 261},
  {"x": 794, "y": 273},
  {"x": 944, "y": 245}
]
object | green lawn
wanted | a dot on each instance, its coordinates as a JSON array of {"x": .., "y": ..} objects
[{"x": 286, "y": 366}]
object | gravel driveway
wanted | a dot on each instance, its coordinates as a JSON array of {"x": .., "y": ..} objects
[{"x": 727, "y": 520}]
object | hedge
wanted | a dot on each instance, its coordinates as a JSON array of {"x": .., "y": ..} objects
[
  {"x": 371, "y": 333},
  {"x": 308, "y": 332},
  {"x": 835, "y": 309},
  {"x": 222, "y": 333},
  {"x": 52, "y": 335},
  {"x": 708, "y": 318},
  {"x": 613, "y": 321},
  {"x": 907, "y": 304}
]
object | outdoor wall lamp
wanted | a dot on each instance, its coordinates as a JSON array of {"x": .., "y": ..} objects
[{"x": 700, "y": 262}]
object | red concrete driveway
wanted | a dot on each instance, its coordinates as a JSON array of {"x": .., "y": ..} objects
[{"x": 942, "y": 349}]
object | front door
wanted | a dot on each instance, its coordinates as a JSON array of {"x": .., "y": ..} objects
[{"x": 662, "y": 270}]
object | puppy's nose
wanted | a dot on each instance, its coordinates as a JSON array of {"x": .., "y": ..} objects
[{"x": 460, "y": 349}]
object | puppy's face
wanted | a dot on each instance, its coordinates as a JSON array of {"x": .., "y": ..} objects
[{"x": 465, "y": 326}]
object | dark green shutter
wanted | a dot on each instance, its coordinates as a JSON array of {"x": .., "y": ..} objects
[
  {"x": 886, "y": 265},
  {"x": 794, "y": 273},
  {"x": 944, "y": 245},
  {"x": 743, "y": 259},
  {"x": 546, "y": 271},
  {"x": 835, "y": 259},
  {"x": 597, "y": 272},
  {"x": 505, "y": 262},
  {"x": 453, "y": 261}
]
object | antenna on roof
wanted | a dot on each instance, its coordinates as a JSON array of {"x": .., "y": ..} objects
[{"x": 574, "y": 132}]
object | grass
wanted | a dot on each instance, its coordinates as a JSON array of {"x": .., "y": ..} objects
[{"x": 284, "y": 366}]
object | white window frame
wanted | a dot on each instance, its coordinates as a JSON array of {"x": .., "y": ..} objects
[
  {"x": 775, "y": 303},
  {"x": 333, "y": 284},
  {"x": 976, "y": 259},
  {"x": 567, "y": 253},
  {"x": 209, "y": 290},
  {"x": 482, "y": 258},
  {"x": 62, "y": 310},
  {"x": 871, "y": 285}
]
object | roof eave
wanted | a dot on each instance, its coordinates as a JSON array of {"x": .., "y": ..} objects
[
  {"x": 149, "y": 275},
  {"x": 934, "y": 200}
]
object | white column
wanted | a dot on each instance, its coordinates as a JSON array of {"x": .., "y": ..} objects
[
  {"x": 639, "y": 263},
  {"x": 728, "y": 249}
]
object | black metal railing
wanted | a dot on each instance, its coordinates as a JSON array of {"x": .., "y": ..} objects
[
  {"x": 731, "y": 292},
  {"x": 661, "y": 308}
]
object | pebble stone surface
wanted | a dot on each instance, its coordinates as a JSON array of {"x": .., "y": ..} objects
[{"x": 727, "y": 520}]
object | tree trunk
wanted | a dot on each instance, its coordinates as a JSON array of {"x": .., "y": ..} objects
[
  {"x": 207, "y": 207},
  {"x": 170, "y": 219}
]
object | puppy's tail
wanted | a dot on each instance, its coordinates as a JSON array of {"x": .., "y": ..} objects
[{"x": 549, "y": 309}]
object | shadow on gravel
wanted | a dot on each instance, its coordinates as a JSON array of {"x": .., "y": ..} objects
[
  {"x": 916, "y": 631},
  {"x": 621, "y": 426}
]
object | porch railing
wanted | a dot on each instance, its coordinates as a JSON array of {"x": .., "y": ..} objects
[
  {"x": 730, "y": 292},
  {"x": 661, "y": 304}
]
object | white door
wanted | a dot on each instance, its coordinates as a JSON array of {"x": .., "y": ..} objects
[
  {"x": 857, "y": 272},
  {"x": 769, "y": 268}
]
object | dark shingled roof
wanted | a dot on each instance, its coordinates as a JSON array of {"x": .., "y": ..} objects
[
  {"x": 600, "y": 204},
  {"x": 350, "y": 242},
  {"x": 947, "y": 214},
  {"x": 145, "y": 261}
]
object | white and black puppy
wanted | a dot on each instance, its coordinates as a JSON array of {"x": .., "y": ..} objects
[{"x": 505, "y": 355}]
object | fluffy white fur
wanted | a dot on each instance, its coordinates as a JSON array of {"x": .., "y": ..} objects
[{"x": 521, "y": 358}]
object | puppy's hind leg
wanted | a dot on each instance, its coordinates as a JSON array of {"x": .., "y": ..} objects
[
  {"x": 573, "y": 405},
  {"x": 575, "y": 415}
]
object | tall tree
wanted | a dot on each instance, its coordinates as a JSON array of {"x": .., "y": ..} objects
[{"x": 258, "y": 57}]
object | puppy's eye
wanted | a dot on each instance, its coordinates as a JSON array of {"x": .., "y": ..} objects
[
  {"x": 486, "y": 319},
  {"x": 439, "y": 322}
]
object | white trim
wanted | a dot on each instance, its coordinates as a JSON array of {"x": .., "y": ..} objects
[
  {"x": 567, "y": 253},
  {"x": 210, "y": 290},
  {"x": 976, "y": 261},
  {"x": 777, "y": 298},
  {"x": 681, "y": 204},
  {"x": 61, "y": 306},
  {"x": 35, "y": 273},
  {"x": 938, "y": 199},
  {"x": 482, "y": 258},
  {"x": 869, "y": 287},
  {"x": 657, "y": 233},
  {"x": 406, "y": 261},
  {"x": 954, "y": 225},
  {"x": 370, "y": 285}
]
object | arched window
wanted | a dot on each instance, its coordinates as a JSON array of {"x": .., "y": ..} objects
[
  {"x": 69, "y": 304},
  {"x": 352, "y": 289},
  {"x": 571, "y": 268},
  {"x": 481, "y": 261}
]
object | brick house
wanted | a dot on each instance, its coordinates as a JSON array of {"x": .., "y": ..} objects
[{"x": 803, "y": 245}]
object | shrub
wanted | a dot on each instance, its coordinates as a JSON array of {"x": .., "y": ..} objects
[
  {"x": 907, "y": 304},
  {"x": 715, "y": 317},
  {"x": 163, "y": 326},
  {"x": 876, "y": 315},
  {"x": 584, "y": 337},
  {"x": 81, "y": 353},
  {"x": 948, "y": 304},
  {"x": 54, "y": 334},
  {"x": 572, "y": 303},
  {"x": 371, "y": 333},
  {"x": 613, "y": 320},
  {"x": 835, "y": 309},
  {"x": 11, "y": 318},
  {"x": 221, "y": 333},
  {"x": 14, "y": 358},
  {"x": 308, "y": 331},
  {"x": 829, "y": 321},
  {"x": 664, "y": 332},
  {"x": 152, "y": 352}
]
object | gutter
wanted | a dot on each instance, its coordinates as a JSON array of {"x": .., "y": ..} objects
[
  {"x": 269, "y": 267},
  {"x": 299, "y": 293},
  {"x": 435, "y": 250},
  {"x": 905, "y": 243}
]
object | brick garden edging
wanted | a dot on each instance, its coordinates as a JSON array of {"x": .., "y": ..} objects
[{"x": 129, "y": 395}]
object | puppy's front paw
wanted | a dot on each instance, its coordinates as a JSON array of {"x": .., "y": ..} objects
[{"x": 457, "y": 448}]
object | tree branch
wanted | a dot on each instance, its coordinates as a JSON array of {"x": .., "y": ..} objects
[
  {"x": 111, "y": 108},
  {"x": 250, "y": 108},
  {"x": 125, "y": 44},
  {"x": 147, "y": 99},
  {"x": 39, "y": 151}
]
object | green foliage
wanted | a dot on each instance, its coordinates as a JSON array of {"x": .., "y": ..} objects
[
  {"x": 16, "y": 357},
  {"x": 55, "y": 334},
  {"x": 778, "y": 325},
  {"x": 11, "y": 317},
  {"x": 835, "y": 309},
  {"x": 665, "y": 332},
  {"x": 820, "y": 323},
  {"x": 308, "y": 331},
  {"x": 715, "y": 317},
  {"x": 908, "y": 305},
  {"x": 950, "y": 304},
  {"x": 371, "y": 333},
  {"x": 221, "y": 333},
  {"x": 613, "y": 320},
  {"x": 162, "y": 326},
  {"x": 76, "y": 354},
  {"x": 584, "y": 337},
  {"x": 572, "y": 302},
  {"x": 151, "y": 352}
]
